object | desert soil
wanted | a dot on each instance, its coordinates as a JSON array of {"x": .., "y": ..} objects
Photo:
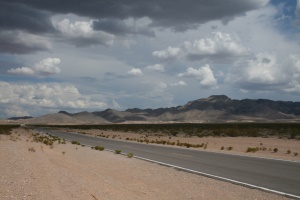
[{"x": 67, "y": 171}]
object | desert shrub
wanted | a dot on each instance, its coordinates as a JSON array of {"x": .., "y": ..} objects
[
  {"x": 295, "y": 154},
  {"x": 118, "y": 151},
  {"x": 6, "y": 129},
  {"x": 275, "y": 150},
  {"x": 130, "y": 155},
  {"x": 222, "y": 148},
  {"x": 99, "y": 148},
  {"x": 188, "y": 145},
  {"x": 229, "y": 148},
  {"x": 252, "y": 149},
  {"x": 288, "y": 151},
  {"x": 75, "y": 142}
]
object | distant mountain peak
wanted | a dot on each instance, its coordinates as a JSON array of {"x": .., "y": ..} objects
[
  {"x": 64, "y": 112},
  {"x": 219, "y": 97},
  {"x": 216, "y": 99}
]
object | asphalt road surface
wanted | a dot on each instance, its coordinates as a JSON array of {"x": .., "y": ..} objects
[{"x": 277, "y": 175}]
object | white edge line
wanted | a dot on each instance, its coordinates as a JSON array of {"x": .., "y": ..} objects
[
  {"x": 211, "y": 176},
  {"x": 220, "y": 178}
]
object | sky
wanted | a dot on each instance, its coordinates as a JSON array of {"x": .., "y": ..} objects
[{"x": 91, "y": 55}]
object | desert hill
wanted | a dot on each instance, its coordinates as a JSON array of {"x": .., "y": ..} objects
[{"x": 216, "y": 108}]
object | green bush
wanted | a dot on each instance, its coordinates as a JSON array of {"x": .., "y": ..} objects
[
  {"x": 252, "y": 149},
  {"x": 130, "y": 155},
  {"x": 117, "y": 151},
  {"x": 99, "y": 148},
  {"x": 75, "y": 142}
]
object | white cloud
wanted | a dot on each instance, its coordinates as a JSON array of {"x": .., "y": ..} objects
[
  {"x": 135, "y": 72},
  {"x": 220, "y": 46},
  {"x": 203, "y": 74},
  {"x": 46, "y": 95},
  {"x": 81, "y": 33},
  {"x": 180, "y": 83},
  {"x": 171, "y": 53},
  {"x": 21, "y": 70},
  {"x": 156, "y": 67},
  {"x": 267, "y": 72},
  {"x": 45, "y": 67}
]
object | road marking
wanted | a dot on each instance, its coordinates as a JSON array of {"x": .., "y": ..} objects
[
  {"x": 179, "y": 154},
  {"x": 221, "y": 178}
]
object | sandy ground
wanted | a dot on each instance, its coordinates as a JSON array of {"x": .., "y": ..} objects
[
  {"x": 239, "y": 145},
  {"x": 67, "y": 171}
]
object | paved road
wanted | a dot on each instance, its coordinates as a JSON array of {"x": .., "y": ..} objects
[{"x": 282, "y": 176}]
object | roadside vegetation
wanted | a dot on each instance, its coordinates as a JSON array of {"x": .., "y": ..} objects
[
  {"x": 280, "y": 130},
  {"x": 6, "y": 129}
]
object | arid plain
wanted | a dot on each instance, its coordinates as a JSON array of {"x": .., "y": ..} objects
[{"x": 31, "y": 170}]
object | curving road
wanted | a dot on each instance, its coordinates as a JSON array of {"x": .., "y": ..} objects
[{"x": 282, "y": 177}]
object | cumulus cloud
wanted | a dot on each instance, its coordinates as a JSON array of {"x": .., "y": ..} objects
[
  {"x": 135, "y": 72},
  {"x": 204, "y": 74},
  {"x": 266, "y": 72},
  {"x": 28, "y": 96},
  {"x": 46, "y": 67},
  {"x": 156, "y": 67},
  {"x": 81, "y": 33},
  {"x": 171, "y": 53},
  {"x": 109, "y": 18},
  {"x": 180, "y": 83},
  {"x": 220, "y": 46},
  {"x": 17, "y": 42}
]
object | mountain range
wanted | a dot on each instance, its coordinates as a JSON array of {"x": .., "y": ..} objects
[{"x": 216, "y": 108}]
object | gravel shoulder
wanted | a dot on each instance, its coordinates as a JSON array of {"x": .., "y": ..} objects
[{"x": 67, "y": 171}]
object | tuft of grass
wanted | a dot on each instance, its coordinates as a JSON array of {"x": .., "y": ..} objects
[
  {"x": 130, "y": 155},
  {"x": 252, "y": 149},
  {"x": 99, "y": 148},
  {"x": 118, "y": 151},
  {"x": 75, "y": 142}
]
